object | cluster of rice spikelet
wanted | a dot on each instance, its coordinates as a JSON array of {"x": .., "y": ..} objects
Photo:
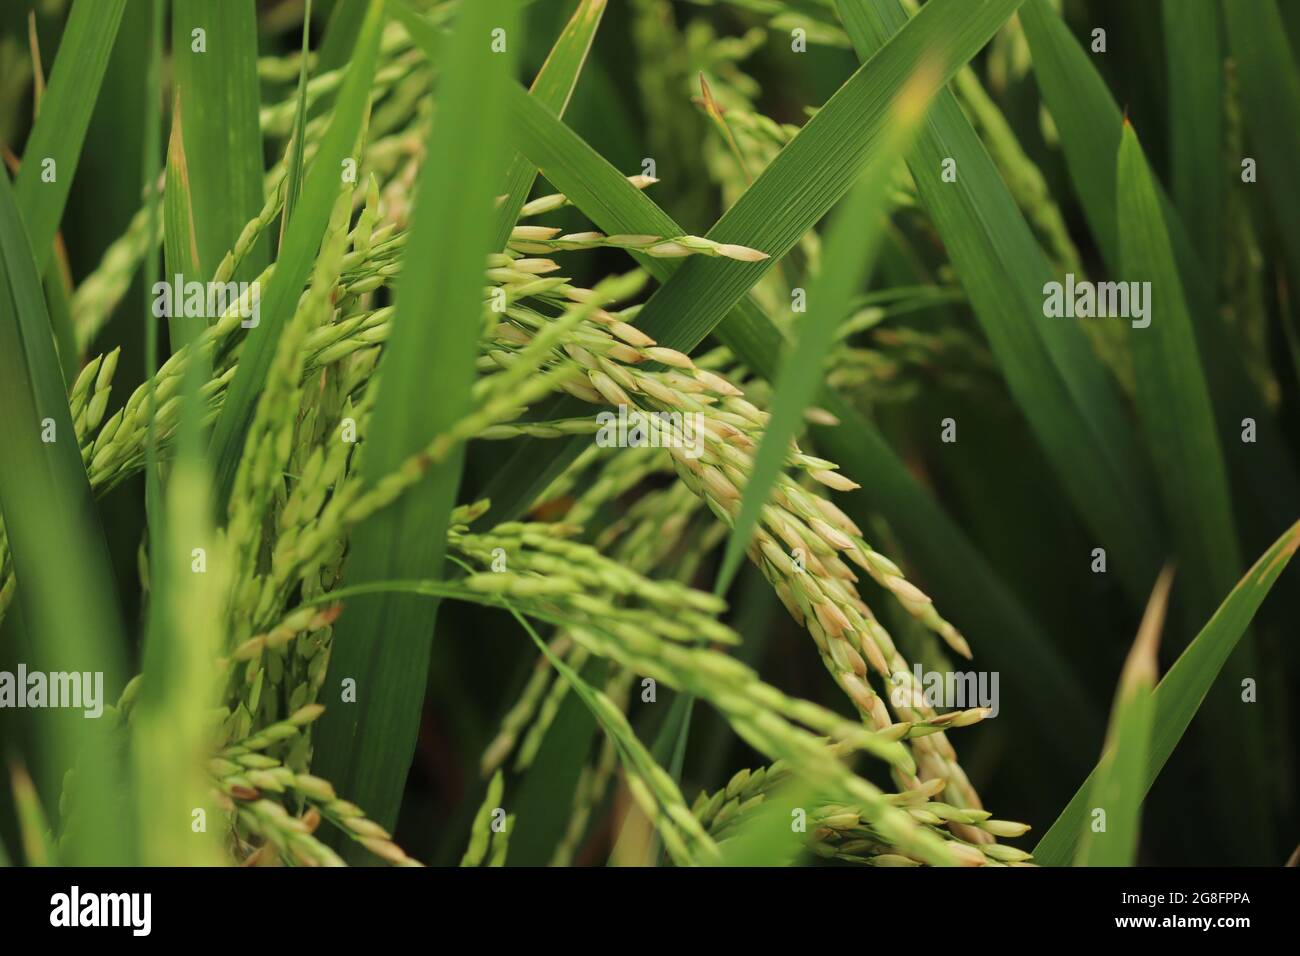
[{"x": 298, "y": 495}]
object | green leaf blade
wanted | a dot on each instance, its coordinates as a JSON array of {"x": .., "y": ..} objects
[
  {"x": 180, "y": 240},
  {"x": 818, "y": 166},
  {"x": 1059, "y": 384},
  {"x": 384, "y": 643},
  {"x": 1173, "y": 401},
  {"x": 61, "y": 127},
  {"x": 296, "y": 255},
  {"x": 293, "y": 183},
  {"x": 1180, "y": 693},
  {"x": 552, "y": 87},
  {"x": 223, "y": 142},
  {"x": 54, "y": 147},
  {"x": 1194, "y": 49},
  {"x": 1270, "y": 103},
  {"x": 65, "y": 582},
  {"x": 849, "y": 254},
  {"x": 1118, "y": 789},
  {"x": 1090, "y": 125}
]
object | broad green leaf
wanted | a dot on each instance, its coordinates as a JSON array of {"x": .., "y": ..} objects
[
  {"x": 301, "y": 242},
  {"x": 1059, "y": 384},
  {"x": 170, "y": 722},
  {"x": 1085, "y": 115},
  {"x": 1194, "y": 51},
  {"x": 1172, "y": 397},
  {"x": 152, "y": 110},
  {"x": 819, "y": 165},
  {"x": 58, "y": 298},
  {"x": 180, "y": 242},
  {"x": 65, "y": 584},
  {"x": 543, "y": 799},
  {"x": 1178, "y": 422},
  {"x": 1181, "y": 691},
  {"x": 1117, "y": 790},
  {"x": 383, "y": 643},
  {"x": 214, "y": 59},
  {"x": 54, "y": 145},
  {"x": 422, "y": 31},
  {"x": 1269, "y": 83},
  {"x": 1090, "y": 124},
  {"x": 341, "y": 33}
]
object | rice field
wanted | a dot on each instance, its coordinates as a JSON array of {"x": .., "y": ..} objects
[{"x": 649, "y": 432}]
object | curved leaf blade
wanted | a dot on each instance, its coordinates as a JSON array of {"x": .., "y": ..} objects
[
  {"x": 1180, "y": 693},
  {"x": 56, "y": 139},
  {"x": 1173, "y": 402},
  {"x": 1060, "y": 385},
  {"x": 65, "y": 582},
  {"x": 1117, "y": 790}
]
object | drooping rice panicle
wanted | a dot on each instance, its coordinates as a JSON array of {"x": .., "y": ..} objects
[{"x": 626, "y": 367}]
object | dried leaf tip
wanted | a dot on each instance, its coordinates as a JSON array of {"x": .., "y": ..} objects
[
  {"x": 1141, "y": 669},
  {"x": 710, "y": 104}
]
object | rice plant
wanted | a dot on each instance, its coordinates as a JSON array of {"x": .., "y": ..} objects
[{"x": 655, "y": 432}]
